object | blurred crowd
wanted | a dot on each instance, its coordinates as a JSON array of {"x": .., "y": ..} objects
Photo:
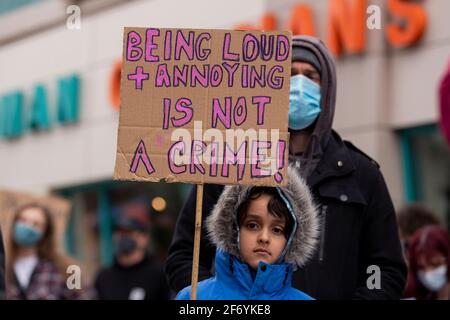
[{"x": 36, "y": 271}]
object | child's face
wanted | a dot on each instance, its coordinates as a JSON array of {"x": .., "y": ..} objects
[{"x": 261, "y": 234}]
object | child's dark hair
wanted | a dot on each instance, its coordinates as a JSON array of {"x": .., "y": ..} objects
[{"x": 276, "y": 207}]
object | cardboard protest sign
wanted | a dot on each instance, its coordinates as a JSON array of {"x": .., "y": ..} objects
[
  {"x": 204, "y": 106},
  {"x": 58, "y": 207}
]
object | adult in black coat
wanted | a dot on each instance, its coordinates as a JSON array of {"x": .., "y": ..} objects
[{"x": 359, "y": 238}]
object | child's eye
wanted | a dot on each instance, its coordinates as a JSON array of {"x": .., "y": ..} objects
[
  {"x": 278, "y": 231},
  {"x": 252, "y": 226}
]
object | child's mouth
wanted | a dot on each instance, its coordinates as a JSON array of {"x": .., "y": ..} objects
[{"x": 262, "y": 252}]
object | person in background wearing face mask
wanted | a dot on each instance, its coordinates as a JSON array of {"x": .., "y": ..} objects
[
  {"x": 34, "y": 269},
  {"x": 134, "y": 274},
  {"x": 358, "y": 222},
  {"x": 429, "y": 264},
  {"x": 411, "y": 218}
]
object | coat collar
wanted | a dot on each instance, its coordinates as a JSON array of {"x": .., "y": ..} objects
[
  {"x": 335, "y": 162},
  {"x": 270, "y": 279}
]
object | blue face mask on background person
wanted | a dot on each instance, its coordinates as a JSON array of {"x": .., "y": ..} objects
[
  {"x": 26, "y": 235},
  {"x": 304, "y": 102},
  {"x": 124, "y": 245},
  {"x": 435, "y": 279}
]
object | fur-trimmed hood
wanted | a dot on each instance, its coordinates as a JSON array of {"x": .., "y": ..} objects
[{"x": 222, "y": 224}]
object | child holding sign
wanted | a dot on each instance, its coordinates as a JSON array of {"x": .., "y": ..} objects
[{"x": 261, "y": 234}]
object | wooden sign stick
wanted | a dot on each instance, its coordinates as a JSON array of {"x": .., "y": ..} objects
[{"x": 198, "y": 231}]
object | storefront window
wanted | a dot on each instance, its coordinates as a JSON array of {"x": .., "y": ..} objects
[{"x": 426, "y": 162}]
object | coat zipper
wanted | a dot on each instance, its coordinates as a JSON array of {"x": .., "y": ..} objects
[{"x": 322, "y": 233}]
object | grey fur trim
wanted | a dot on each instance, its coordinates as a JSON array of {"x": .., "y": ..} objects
[{"x": 222, "y": 223}]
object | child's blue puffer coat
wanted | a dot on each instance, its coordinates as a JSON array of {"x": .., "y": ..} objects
[{"x": 233, "y": 281}]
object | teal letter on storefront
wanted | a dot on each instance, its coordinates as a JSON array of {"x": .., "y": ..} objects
[
  {"x": 68, "y": 99},
  {"x": 11, "y": 115},
  {"x": 39, "y": 109}
]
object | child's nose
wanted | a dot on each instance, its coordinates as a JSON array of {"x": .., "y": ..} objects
[{"x": 264, "y": 236}]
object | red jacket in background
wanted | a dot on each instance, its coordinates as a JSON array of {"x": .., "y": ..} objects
[{"x": 444, "y": 101}]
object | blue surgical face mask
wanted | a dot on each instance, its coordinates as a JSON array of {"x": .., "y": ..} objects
[
  {"x": 304, "y": 102},
  {"x": 26, "y": 235},
  {"x": 435, "y": 279},
  {"x": 124, "y": 245}
]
